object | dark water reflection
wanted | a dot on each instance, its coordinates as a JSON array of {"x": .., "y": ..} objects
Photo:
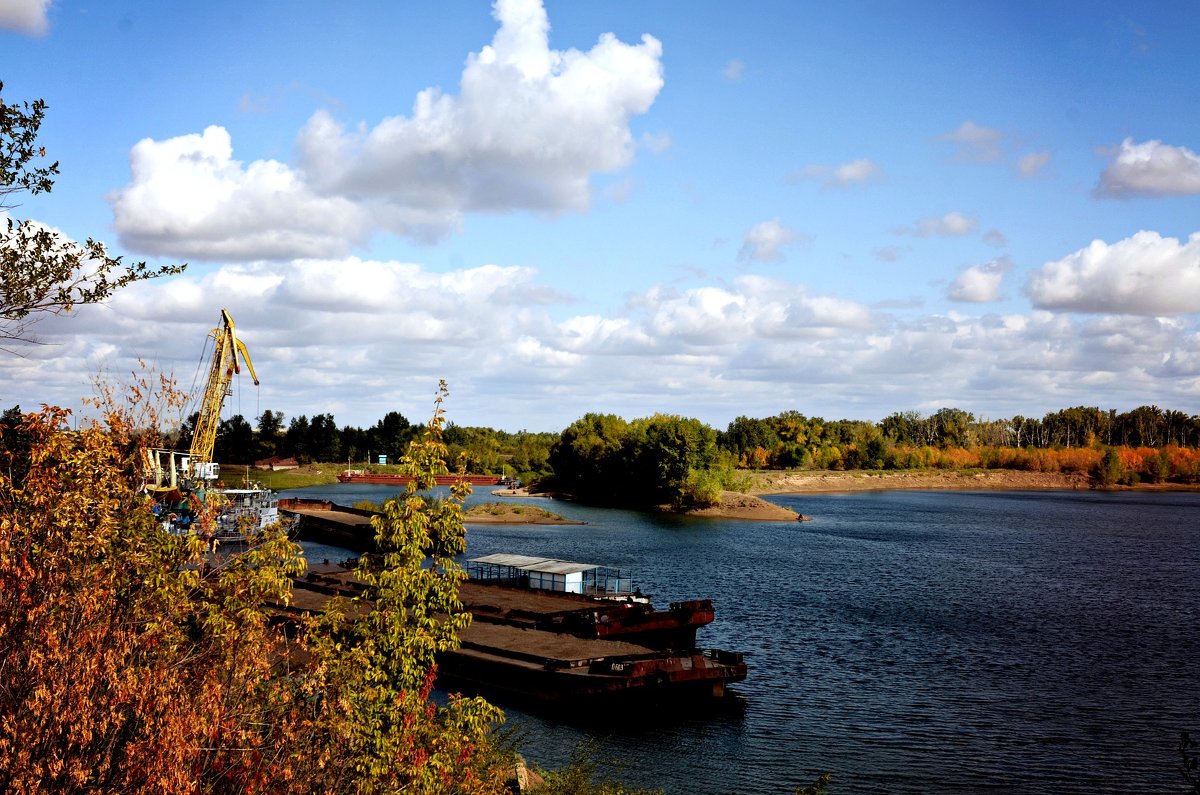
[{"x": 912, "y": 641}]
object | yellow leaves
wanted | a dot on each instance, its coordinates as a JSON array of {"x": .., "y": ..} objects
[{"x": 141, "y": 670}]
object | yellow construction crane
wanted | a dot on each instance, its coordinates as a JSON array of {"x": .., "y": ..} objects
[
  {"x": 226, "y": 347},
  {"x": 166, "y": 467}
]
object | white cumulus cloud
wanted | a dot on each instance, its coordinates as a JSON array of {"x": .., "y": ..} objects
[
  {"x": 359, "y": 338},
  {"x": 1030, "y": 165},
  {"x": 1150, "y": 169},
  {"x": 528, "y": 130},
  {"x": 25, "y": 16},
  {"x": 764, "y": 241},
  {"x": 1145, "y": 274},
  {"x": 190, "y": 198},
  {"x": 980, "y": 283}
]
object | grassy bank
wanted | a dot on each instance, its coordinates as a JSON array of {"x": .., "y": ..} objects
[{"x": 234, "y": 476}]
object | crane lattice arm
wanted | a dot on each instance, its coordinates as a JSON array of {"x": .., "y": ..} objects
[{"x": 226, "y": 347}]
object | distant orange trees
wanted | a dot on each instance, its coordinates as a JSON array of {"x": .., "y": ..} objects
[{"x": 1150, "y": 445}]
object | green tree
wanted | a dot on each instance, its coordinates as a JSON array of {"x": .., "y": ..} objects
[
  {"x": 41, "y": 271},
  {"x": 378, "y": 652},
  {"x": 588, "y": 459},
  {"x": 269, "y": 434},
  {"x": 903, "y": 427},
  {"x": 324, "y": 439},
  {"x": 297, "y": 439},
  {"x": 391, "y": 435},
  {"x": 745, "y": 434},
  {"x": 663, "y": 451},
  {"x": 651, "y": 461},
  {"x": 953, "y": 427},
  {"x": 1109, "y": 471},
  {"x": 235, "y": 441}
]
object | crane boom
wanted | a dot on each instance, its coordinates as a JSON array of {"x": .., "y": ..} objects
[{"x": 226, "y": 347}]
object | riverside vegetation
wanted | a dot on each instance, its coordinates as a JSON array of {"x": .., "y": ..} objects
[
  {"x": 682, "y": 462},
  {"x": 132, "y": 661}
]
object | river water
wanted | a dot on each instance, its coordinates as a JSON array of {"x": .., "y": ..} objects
[{"x": 907, "y": 642}]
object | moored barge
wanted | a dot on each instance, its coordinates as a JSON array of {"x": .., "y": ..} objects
[
  {"x": 533, "y": 642},
  {"x": 389, "y": 479},
  {"x": 563, "y": 633}
]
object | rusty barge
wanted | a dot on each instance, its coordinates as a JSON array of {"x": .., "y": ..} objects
[
  {"x": 389, "y": 479},
  {"x": 563, "y": 633},
  {"x": 544, "y": 632}
]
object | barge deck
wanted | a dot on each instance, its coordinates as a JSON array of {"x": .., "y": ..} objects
[{"x": 554, "y": 649}]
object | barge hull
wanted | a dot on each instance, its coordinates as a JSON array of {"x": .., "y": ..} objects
[{"x": 383, "y": 479}]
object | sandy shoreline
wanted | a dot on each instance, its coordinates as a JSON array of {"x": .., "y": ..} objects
[
  {"x": 513, "y": 513},
  {"x": 809, "y": 482},
  {"x": 751, "y": 506}
]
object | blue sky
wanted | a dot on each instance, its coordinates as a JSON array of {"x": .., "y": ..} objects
[{"x": 700, "y": 208}]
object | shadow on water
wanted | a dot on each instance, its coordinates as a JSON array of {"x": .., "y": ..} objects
[{"x": 648, "y": 715}]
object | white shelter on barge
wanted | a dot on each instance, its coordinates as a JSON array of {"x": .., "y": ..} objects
[{"x": 552, "y": 575}]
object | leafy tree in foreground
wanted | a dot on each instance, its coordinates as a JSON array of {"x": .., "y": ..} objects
[
  {"x": 130, "y": 663},
  {"x": 125, "y": 664},
  {"x": 42, "y": 272},
  {"x": 377, "y": 653}
]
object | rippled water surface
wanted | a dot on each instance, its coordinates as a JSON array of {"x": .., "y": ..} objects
[{"x": 932, "y": 642}]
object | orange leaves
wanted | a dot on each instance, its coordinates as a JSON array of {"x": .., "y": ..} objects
[
  {"x": 107, "y": 680},
  {"x": 127, "y": 664}
]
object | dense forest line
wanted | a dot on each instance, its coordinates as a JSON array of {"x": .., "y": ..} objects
[
  {"x": 788, "y": 440},
  {"x": 667, "y": 458}
]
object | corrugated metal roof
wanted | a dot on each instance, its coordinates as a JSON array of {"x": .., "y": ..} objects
[
  {"x": 530, "y": 563},
  {"x": 505, "y": 559},
  {"x": 560, "y": 567}
]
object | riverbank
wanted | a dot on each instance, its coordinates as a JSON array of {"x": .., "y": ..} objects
[
  {"x": 513, "y": 513},
  {"x": 750, "y": 506},
  {"x": 734, "y": 505},
  {"x": 818, "y": 481}
]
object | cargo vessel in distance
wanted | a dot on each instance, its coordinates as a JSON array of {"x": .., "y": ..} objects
[{"x": 388, "y": 479}]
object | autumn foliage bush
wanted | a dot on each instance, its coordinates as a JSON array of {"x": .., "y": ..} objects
[{"x": 133, "y": 661}]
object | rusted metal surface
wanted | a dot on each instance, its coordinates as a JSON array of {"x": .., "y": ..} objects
[
  {"x": 325, "y": 522},
  {"x": 357, "y": 476},
  {"x": 559, "y": 649}
]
